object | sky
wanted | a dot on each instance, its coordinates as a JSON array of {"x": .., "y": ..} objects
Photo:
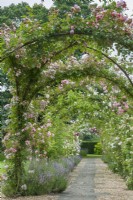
[{"x": 48, "y": 3}]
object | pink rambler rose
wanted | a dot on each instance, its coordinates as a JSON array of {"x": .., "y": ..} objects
[
  {"x": 71, "y": 32},
  {"x": 99, "y": 16},
  {"x": 27, "y": 142},
  {"x": 121, "y": 3},
  {"x": 12, "y": 150},
  {"x": 65, "y": 82},
  {"x": 120, "y": 111},
  {"x": 76, "y": 8},
  {"x": 49, "y": 134}
]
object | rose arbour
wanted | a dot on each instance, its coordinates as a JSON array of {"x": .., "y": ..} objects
[{"x": 28, "y": 53}]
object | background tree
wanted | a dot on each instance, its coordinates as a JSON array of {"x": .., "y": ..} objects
[
  {"x": 66, "y": 6},
  {"x": 15, "y": 13}
]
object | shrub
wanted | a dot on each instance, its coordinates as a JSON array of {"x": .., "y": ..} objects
[
  {"x": 98, "y": 149},
  {"x": 83, "y": 152},
  {"x": 129, "y": 182},
  {"x": 8, "y": 189},
  {"x": 118, "y": 148},
  {"x": 2, "y": 157},
  {"x": 89, "y": 146}
]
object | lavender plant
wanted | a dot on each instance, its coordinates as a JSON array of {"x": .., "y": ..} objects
[{"x": 45, "y": 176}]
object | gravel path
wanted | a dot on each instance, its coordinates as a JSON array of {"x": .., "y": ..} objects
[
  {"x": 81, "y": 186},
  {"x": 91, "y": 180},
  {"x": 110, "y": 186}
]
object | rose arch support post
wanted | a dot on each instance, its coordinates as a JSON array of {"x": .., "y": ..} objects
[{"x": 16, "y": 149}]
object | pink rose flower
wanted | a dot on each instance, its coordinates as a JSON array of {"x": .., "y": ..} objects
[
  {"x": 27, "y": 142},
  {"x": 121, "y": 3},
  {"x": 71, "y": 32},
  {"x": 49, "y": 134}
]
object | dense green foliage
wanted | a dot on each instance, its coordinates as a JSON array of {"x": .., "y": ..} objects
[
  {"x": 98, "y": 149},
  {"x": 14, "y": 14},
  {"x": 88, "y": 146},
  {"x": 66, "y": 6},
  {"x": 118, "y": 145},
  {"x": 4, "y": 104}
]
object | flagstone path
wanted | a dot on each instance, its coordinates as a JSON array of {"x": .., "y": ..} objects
[{"x": 90, "y": 180}]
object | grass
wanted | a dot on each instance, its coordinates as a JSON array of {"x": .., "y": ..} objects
[
  {"x": 2, "y": 170},
  {"x": 93, "y": 156},
  {"x": 2, "y": 164}
]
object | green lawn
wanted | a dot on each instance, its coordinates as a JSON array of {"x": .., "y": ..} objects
[
  {"x": 93, "y": 156},
  {"x": 2, "y": 164}
]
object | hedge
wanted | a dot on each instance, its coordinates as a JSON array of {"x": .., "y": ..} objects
[{"x": 88, "y": 146}]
